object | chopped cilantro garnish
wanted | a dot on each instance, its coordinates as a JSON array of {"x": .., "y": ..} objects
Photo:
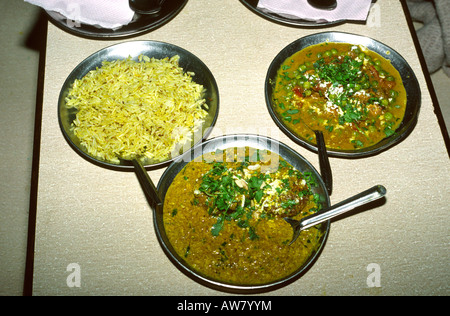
[{"x": 231, "y": 197}]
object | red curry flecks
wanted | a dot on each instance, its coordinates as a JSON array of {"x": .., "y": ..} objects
[
  {"x": 354, "y": 95},
  {"x": 224, "y": 216}
]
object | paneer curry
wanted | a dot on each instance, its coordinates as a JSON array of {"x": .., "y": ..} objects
[
  {"x": 224, "y": 216},
  {"x": 353, "y": 95}
]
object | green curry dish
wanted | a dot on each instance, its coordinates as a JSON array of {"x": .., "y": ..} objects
[
  {"x": 346, "y": 76},
  {"x": 344, "y": 71},
  {"x": 355, "y": 96},
  {"x": 246, "y": 195},
  {"x": 248, "y": 243}
]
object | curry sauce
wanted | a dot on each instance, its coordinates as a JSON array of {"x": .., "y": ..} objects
[
  {"x": 350, "y": 93},
  {"x": 224, "y": 216}
]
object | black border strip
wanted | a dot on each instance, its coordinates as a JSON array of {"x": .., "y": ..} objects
[
  {"x": 437, "y": 108},
  {"x": 29, "y": 268},
  {"x": 29, "y": 263}
]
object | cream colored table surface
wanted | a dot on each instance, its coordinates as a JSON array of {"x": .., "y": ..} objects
[{"x": 100, "y": 219}]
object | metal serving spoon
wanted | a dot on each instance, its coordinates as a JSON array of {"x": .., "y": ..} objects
[
  {"x": 147, "y": 184},
  {"x": 324, "y": 162},
  {"x": 323, "y": 4},
  {"x": 349, "y": 204},
  {"x": 146, "y": 6}
]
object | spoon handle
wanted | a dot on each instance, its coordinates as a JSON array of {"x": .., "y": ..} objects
[
  {"x": 147, "y": 184},
  {"x": 324, "y": 162},
  {"x": 349, "y": 204}
]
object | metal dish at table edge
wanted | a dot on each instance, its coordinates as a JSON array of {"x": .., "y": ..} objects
[
  {"x": 237, "y": 141},
  {"x": 140, "y": 24},
  {"x": 159, "y": 50},
  {"x": 409, "y": 79}
]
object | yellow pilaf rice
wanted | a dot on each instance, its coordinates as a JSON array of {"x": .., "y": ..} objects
[{"x": 131, "y": 109}]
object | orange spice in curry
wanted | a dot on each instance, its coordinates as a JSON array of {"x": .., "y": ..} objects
[{"x": 353, "y": 95}]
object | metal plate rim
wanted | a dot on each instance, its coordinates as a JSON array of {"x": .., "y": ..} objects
[
  {"x": 121, "y": 51},
  {"x": 286, "y": 21},
  {"x": 227, "y": 141},
  {"x": 413, "y": 89},
  {"x": 135, "y": 28}
]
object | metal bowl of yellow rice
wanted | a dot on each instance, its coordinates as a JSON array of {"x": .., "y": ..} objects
[{"x": 143, "y": 100}]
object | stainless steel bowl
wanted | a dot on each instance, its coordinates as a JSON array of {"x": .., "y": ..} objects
[
  {"x": 408, "y": 77},
  {"x": 141, "y": 23},
  {"x": 221, "y": 143},
  {"x": 133, "y": 49}
]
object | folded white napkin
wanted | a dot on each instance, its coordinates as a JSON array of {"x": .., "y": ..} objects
[
  {"x": 301, "y": 9},
  {"x": 109, "y": 14}
]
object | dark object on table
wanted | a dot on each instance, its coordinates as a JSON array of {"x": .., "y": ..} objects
[
  {"x": 323, "y": 4},
  {"x": 141, "y": 24},
  {"x": 146, "y": 6}
]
